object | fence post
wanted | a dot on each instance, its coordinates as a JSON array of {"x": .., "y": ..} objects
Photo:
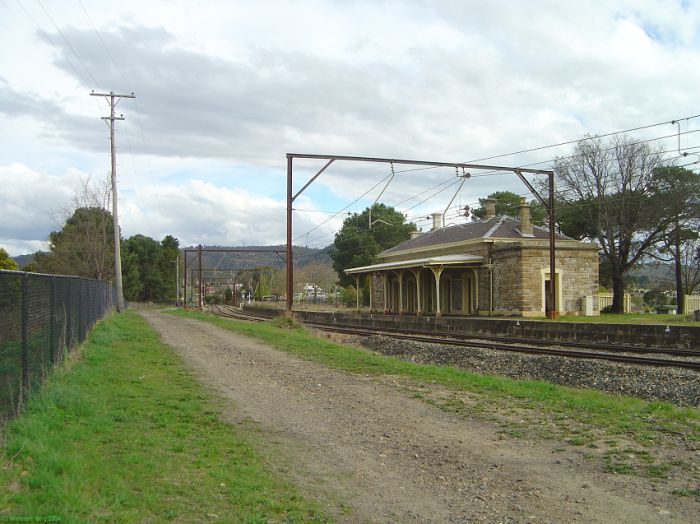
[
  {"x": 25, "y": 334},
  {"x": 80, "y": 310},
  {"x": 69, "y": 315},
  {"x": 52, "y": 321}
]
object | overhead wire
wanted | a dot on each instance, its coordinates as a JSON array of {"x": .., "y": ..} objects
[
  {"x": 109, "y": 54},
  {"x": 345, "y": 208},
  {"x": 559, "y": 144},
  {"x": 46, "y": 37},
  {"x": 458, "y": 213},
  {"x": 451, "y": 182},
  {"x": 96, "y": 83},
  {"x": 540, "y": 163}
]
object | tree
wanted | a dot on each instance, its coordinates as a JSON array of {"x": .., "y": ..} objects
[
  {"x": 31, "y": 267},
  {"x": 320, "y": 274},
  {"x": 131, "y": 276},
  {"x": 613, "y": 185},
  {"x": 5, "y": 261},
  {"x": 170, "y": 250},
  {"x": 577, "y": 219},
  {"x": 144, "y": 253},
  {"x": 508, "y": 203},
  {"x": 677, "y": 190},
  {"x": 358, "y": 245},
  {"x": 690, "y": 262},
  {"x": 264, "y": 288},
  {"x": 84, "y": 246}
]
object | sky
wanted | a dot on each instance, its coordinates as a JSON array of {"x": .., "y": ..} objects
[{"x": 224, "y": 89}]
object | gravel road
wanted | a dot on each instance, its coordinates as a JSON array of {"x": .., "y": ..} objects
[{"x": 370, "y": 452}]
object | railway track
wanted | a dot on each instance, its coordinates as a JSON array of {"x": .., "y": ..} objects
[{"x": 685, "y": 359}]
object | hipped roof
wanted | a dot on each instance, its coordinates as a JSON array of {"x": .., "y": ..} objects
[{"x": 502, "y": 227}]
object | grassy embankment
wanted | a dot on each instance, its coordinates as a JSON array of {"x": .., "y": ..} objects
[
  {"x": 123, "y": 433},
  {"x": 600, "y": 422}
]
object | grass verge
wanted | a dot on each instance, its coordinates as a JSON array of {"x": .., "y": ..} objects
[
  {"x": 633, "y": 318},
  {"x": 635, "y": 418},
  {"x": 124, "y": 434}
]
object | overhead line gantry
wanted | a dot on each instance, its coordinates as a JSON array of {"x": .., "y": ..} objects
[{"x": 291, "y": 197}]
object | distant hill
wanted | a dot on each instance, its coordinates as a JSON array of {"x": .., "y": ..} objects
[
  {"x": 303, "y": 256},
  {"x": 23, "y": 260},
  {"x": 658, "y": 273}
]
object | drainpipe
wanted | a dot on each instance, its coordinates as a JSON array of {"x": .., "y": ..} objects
[{"x": 357, "y": 293}]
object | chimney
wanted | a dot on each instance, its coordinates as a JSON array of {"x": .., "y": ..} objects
[
  {"x": 437, "y": 221},
  {"x": 525, "y": 224},
  {"x": 415, "y": 234},
  {"x": 490, "y": 207}
]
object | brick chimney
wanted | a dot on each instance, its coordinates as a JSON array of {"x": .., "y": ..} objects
[
  {"x": 525, "y": 223},
  {"x": 437, "y": 221},
  {"x": 490, "y": 208}
]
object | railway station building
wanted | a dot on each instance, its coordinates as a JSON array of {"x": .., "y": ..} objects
[{"x": 495, "y": 266}]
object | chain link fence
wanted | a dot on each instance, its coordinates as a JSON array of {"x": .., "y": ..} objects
[{"x": 41, "y": 318}]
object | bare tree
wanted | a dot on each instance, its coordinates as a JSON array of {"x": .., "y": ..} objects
[
  {"x": 613, "y": 185},
  {"x": 84, "y": 245}
]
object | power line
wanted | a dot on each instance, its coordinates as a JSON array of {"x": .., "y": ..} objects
[
  {"x": 52, "y": 43},
  {"x": 96, "y": 83},
  {"x": 664, "y": 137},
  {"x": 568, "y": 142},
  {"x": 126, "y": 82},
  {"x": 346, "y": 207}
]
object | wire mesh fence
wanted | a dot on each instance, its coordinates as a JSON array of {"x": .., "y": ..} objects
[{"x": 42, "y": 317}]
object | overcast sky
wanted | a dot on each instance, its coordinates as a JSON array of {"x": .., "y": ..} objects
[{"x": 225, "y": 89}]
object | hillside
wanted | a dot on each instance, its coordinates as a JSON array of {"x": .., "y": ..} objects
[
  {"x": 23, "y": 260},
  {"x": 303, "y": 256}
]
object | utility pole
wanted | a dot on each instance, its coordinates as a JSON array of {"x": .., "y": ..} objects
[
  {"x": 177, "y": 280},
  {"x": 200, "y": 292},
  {"x": 113, "y": 100}
]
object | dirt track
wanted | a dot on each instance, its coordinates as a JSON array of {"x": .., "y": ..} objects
[{"x": 373, "y": 453}]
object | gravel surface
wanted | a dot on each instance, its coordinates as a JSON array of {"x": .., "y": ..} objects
[
  {"x": 371, "y": 452},
  {"x": 680, "y": 386}
]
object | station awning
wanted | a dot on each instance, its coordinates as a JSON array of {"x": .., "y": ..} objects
[{"x": 444, "y": 260}]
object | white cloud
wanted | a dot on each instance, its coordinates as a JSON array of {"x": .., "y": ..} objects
[
  {"x": 239, "y": 84},
  {"x": 32, "y": 203},
  {"x": 199, "y": 212}
]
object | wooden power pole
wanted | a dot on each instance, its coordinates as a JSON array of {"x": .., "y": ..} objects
[{"x": 113, "y": 99}]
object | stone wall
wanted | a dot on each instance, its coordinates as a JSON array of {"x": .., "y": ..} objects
[
  {"x": 656, "y": 335},
  {"x": 507, "y": 279},
  {"x": 518, "y": 277}
]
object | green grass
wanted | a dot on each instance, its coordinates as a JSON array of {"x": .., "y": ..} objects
[
  {"x": 687, "y": 492},
  {"x": 632, "y": 318},
  {"x": 126, "y": 435},
  {"x": 612, "y": 415}
]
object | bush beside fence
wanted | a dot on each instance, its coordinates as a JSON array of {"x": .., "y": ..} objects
[{"x": 41, "y": 318}]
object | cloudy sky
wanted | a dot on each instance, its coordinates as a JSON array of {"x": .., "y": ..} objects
[{"x": 225, "y": 89}]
